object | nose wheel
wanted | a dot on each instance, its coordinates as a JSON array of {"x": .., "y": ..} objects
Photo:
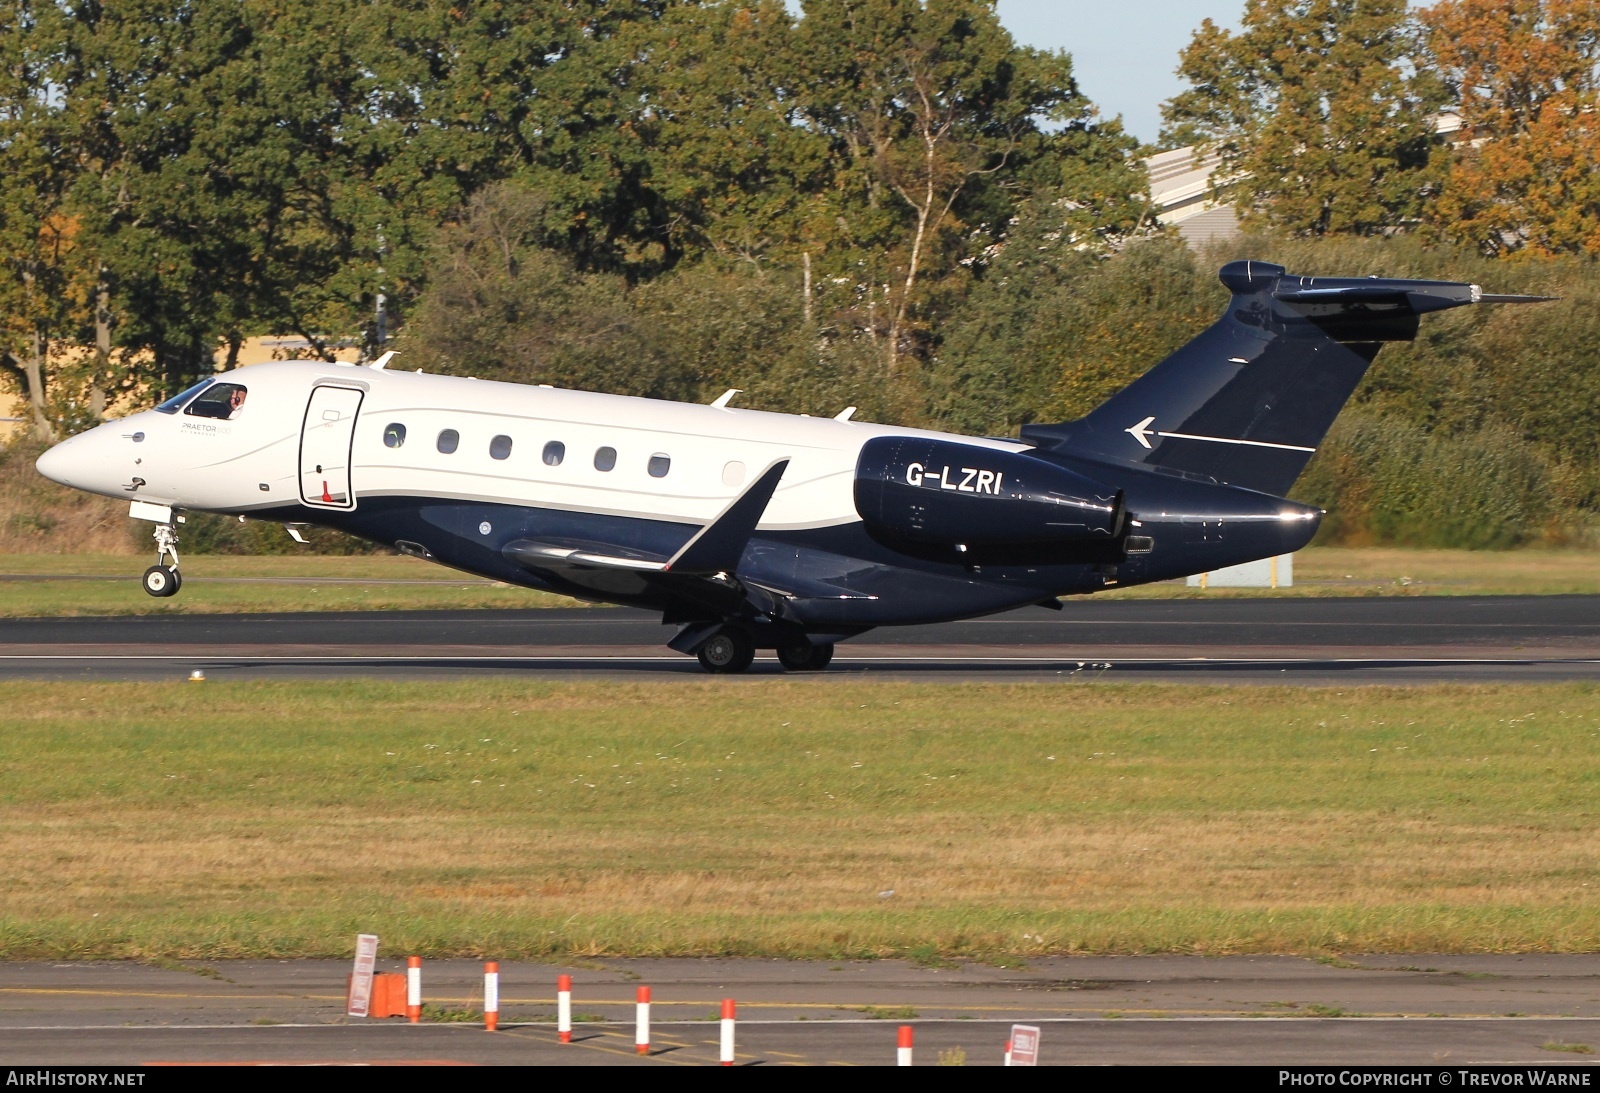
[{"x": 161, "y": 579}]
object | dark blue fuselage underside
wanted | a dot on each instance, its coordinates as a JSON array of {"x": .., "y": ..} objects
[{"x": 839, "y": 578}]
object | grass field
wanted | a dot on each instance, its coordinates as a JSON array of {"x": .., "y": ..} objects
[
  {"x": 96, "y": 584},
  {"x": 777, "y": 817},
  {"x": 102, "y": 584}
]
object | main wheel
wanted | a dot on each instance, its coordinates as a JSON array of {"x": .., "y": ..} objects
[
  {"x": 801, "y": 655},
  {"x": 159, "y": 580},
  {"x": 729, "y": 651}
]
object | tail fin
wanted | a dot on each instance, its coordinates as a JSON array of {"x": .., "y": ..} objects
[{"x": 1248, "y": 401}]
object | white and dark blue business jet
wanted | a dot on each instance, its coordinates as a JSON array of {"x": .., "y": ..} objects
[{"x": 753, "y": 530}]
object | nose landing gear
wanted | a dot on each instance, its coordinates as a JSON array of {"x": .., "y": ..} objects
[{"x": 160, "y": 579}]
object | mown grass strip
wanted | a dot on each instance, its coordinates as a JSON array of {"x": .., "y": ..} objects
[
  {"x": 786, "y": 818},
  {"x": 213, "y": 587}
]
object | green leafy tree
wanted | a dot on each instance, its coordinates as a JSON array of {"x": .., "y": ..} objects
[
  {"x": 1323, "y": 126},
  {"x": 713, "y": 107},
  {"x": 933, "y": 116},
  {"x": 504, "y": 304},
  {"x": 41, "y": 249}
]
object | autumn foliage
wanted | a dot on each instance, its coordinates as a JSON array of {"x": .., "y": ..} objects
[{"x": 1523, "y": 78}]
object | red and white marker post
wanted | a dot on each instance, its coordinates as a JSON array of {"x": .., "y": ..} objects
[
  {"x": 641, "y": 1035},
  {"x": 903, "y": 1047},
  {"x": 1008, "y": 1054},
  {"x": 414, "y": 989},
  {"x": 564, "y": 1008},
  {"x": 727, "y": 1031},
  {"x": 491, "y": 996}
]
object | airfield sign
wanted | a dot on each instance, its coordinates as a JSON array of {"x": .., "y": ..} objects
[
  {"x": 361, "y": 976},
  {"x": 1024, "y": 1045}
]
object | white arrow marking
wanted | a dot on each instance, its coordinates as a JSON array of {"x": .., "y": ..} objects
[{"x": 1142, "y": 431}]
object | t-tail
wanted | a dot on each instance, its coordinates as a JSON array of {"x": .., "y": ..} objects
[{"x": 1249, "y": 400}]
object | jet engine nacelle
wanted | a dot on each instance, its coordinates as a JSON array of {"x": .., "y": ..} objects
[{"x": 922, "y": 492}]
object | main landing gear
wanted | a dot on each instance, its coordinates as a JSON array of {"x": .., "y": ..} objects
[
  {"x": 801, "y": 655},
  {"x": 160, "y": 579},
  {"x": 732, "y": 650},
  {"x": 727, "y": 652}
]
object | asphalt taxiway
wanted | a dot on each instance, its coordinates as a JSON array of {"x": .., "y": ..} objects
[
  {"x": 1300, "y": 640},
  {"x": 1538, "y": 1010}
]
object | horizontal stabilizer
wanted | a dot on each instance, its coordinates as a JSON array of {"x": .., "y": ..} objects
[{"x": 1501, "y": 298}]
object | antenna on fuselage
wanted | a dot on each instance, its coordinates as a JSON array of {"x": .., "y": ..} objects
[
  {"x": 383, "y": 361},
  {"x": 726, "y": 397}
]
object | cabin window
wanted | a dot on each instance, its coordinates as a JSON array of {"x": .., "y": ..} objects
[
  {"x": 175, "y": 403},
  {"x": 500, "y": 447},
  {"x": 449, "y": 441},
  {"x": 733, "y": 474},
  {"x": 554, "y": 453},
  {"x": 394, "y": 435},
  {"x": 660, "y": 465},
  {"x": 605, "y": 459},
  {"x": 220, "y": 401}
]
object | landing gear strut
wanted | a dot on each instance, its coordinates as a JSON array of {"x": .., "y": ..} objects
[
  {"x": 160, "y": 579},
  {"x": 727, "y": 652}
]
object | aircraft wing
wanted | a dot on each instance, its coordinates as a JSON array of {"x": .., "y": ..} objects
[
  {"x": 555, "y": 555},
  {"x": 701, "y": 577}
]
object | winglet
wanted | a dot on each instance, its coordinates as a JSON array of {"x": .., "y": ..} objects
[{"x": 717, "y": 547}]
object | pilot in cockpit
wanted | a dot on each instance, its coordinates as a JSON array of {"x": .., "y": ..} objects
[{"x": 221, "y": 401}]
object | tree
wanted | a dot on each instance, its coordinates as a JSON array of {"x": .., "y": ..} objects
[
  {"x": 39, "y": 235},
  {"x": 1523, "y": 76},
  {"x": 503, "y": 303},
  {"x": 932, "y": 112},
  {"x": 714, "y": 108},
  {"x": 1322, "y": 126}
]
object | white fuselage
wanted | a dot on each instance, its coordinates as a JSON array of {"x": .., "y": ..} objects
[{"x": 266, "y": 455}]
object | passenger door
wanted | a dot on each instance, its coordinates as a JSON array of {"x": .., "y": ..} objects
[{"x": 325, "y": 442}]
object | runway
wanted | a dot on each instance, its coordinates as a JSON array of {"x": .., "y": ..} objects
[
  {"x": 1302, "y": 640},
  {"x": 1534, "y": 1010}
]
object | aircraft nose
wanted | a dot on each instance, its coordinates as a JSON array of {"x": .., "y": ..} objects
[
  {"x": 63, "y": 463},
  {"x": 79, "y": 462}
]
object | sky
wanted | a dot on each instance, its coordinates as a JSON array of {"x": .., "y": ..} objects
[{"x": 1123, "y": 51}]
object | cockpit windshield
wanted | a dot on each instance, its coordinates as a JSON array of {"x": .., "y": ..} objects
[
  {"x": 175, "y": 403},
  {"x": 221, "y": 401}
]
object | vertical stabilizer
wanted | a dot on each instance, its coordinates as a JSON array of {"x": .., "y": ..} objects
[{"x": 1249, "y": 400}]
